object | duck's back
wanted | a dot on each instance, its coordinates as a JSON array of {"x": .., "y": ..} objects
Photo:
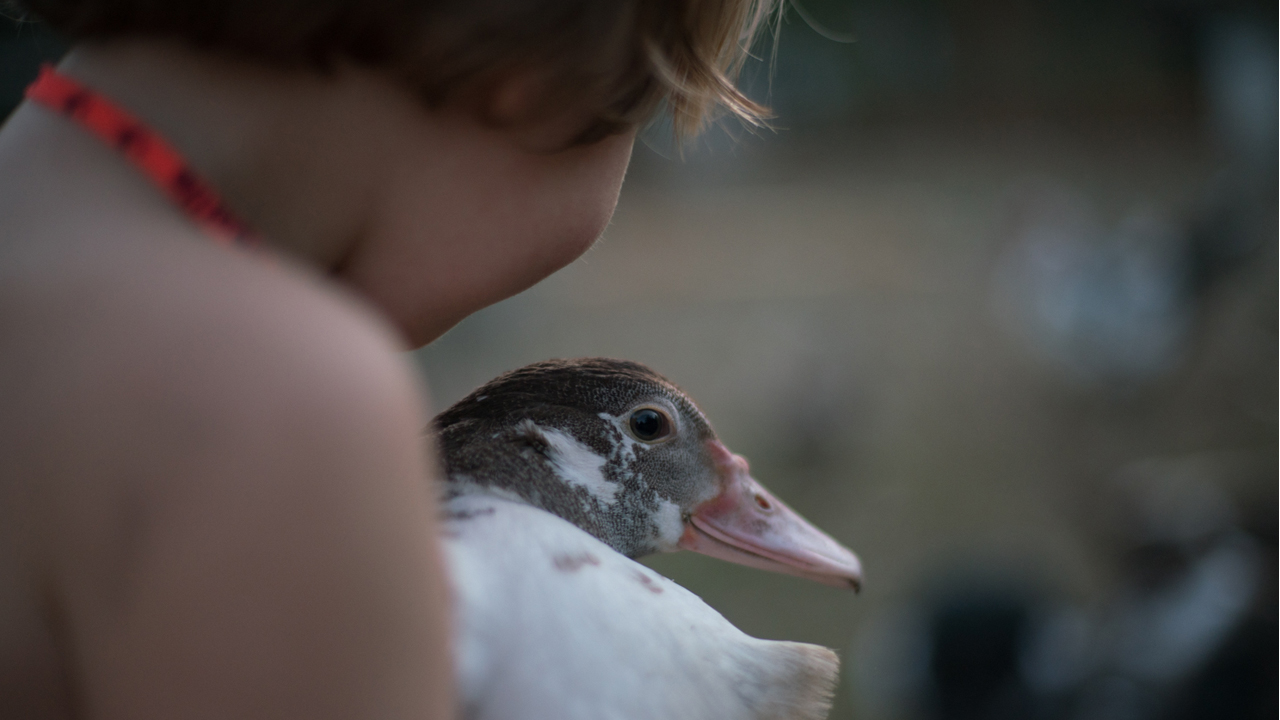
[{"x": 552, "y": 623}]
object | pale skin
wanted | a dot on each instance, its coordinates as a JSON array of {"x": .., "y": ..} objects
[{"x": 215, "y": 499}]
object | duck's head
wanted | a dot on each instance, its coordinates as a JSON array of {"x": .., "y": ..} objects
[{"x": 619, "y": 451}]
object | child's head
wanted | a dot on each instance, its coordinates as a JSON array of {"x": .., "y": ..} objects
[
  {"x": 609, "y": 62},
  {"x": 509, "y": 171}
]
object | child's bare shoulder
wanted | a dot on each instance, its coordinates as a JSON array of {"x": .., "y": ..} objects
[
  {"x": 168, "y": 371},
  {"x": 188, "y": 404},
  {"x": 189, "y": 340}
]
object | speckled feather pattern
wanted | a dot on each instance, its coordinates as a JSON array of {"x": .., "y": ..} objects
[{"x": 501, "y": 437}]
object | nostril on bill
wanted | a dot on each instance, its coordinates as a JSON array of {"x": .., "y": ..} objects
[{"x": 763, "y": 503}]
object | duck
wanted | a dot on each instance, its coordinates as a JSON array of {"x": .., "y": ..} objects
[{"x": 558, "y": 477}]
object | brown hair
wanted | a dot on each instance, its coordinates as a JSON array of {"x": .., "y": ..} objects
[{"x": 620, "y": 58}]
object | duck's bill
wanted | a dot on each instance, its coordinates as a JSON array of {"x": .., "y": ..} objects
[{"x": 746, "y": 524}]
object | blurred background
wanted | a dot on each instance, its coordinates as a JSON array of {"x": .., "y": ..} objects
[{"x": 995, "y": 304}]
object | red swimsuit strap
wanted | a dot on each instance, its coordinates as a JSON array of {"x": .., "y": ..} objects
[{"x": 143, "y": 147}]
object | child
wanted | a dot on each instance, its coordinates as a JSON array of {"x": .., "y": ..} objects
[{"x": 215, "y": 500}]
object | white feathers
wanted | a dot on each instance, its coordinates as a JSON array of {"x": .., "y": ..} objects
[
  {"x": 552, "y": 623},
  {"x": 670, "y": 524},
  {"x": 575, "y": 463}
]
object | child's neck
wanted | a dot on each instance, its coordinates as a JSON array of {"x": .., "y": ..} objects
[{"x": 276, "y": 145}]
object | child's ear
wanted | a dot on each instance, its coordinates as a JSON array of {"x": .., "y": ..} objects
[
  {"x": 518, "y": 98},
  {"x": 540, "y": 116}
]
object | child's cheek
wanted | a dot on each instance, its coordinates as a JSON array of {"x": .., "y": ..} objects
[{"x": 590, "y": 202}]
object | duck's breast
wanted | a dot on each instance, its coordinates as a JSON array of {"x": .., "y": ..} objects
[{"x": 552, "y": 623}]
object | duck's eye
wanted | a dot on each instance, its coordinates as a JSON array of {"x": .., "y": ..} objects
[{"x": 650, "y": 425}]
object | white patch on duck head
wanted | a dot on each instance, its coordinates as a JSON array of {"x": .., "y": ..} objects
[
  {"x": 668, "y": 520},
  {"x": 577, "y": 465}
]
